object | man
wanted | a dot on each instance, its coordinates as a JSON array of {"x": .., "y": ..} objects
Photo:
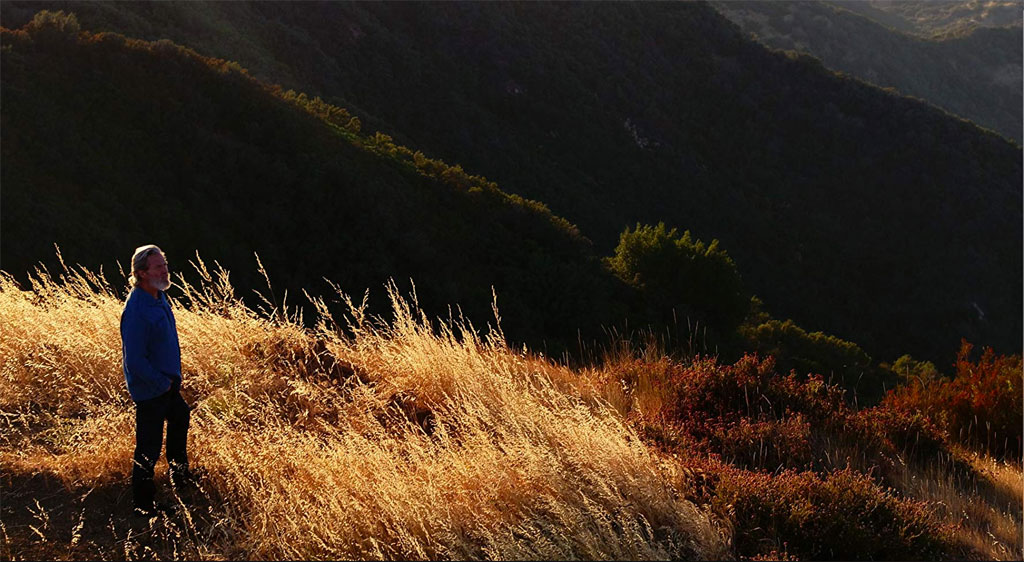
[{"x": 152, "y": 370}]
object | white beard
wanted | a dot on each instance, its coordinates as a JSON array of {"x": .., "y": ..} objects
[{"x": 161, "y": 285}]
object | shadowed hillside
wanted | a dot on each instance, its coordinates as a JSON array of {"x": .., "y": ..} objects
[
  {"x": 111, "y": 142},
  {"x": 976, "y": 75},
  {"x": 875, "y": 217}
]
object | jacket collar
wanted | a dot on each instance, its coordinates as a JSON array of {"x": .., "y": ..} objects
[{"x": 144, "y": 298}]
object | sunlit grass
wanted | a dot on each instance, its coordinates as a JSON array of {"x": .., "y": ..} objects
[
  {"x": 307, "y": 452},
  {"x": 401, "y": 437},
  {"x": 986, "y": 506}
]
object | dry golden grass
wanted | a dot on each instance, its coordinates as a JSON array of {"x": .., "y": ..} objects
[
  {"x": 981, "y": 498},
  {"x": 987, "y": 509},
  {"x": 302, "y": 460}
]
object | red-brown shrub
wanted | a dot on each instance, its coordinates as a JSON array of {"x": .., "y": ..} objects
[
  {"x": 746, "y": 412},
  {"x": 750, "y": 388},
  {"x": 743, "y": 435},
  {"x": 981, "y": 406},
  {"x": 841, "y": 515},
  {"x": 893, "y": 429},
  {"x": 765, "y": 444}
]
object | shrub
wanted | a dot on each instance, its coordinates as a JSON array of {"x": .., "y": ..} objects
[
  {"x": 751, "y": 387},
  {"x": 815, "y": 352},
  {"x": 906, "y": 367},
  {"x": 841, "y": 515},
  {"x": 746, "y": 412},
  {"x": 680, "y": 277},
  {"x": 765, "y": 444},
  {"x": 892, "y": 429},
  {"x": 706, "y": 390},
  {"x": 53, "y": 27},
  {"x": 981, "y": 406}
]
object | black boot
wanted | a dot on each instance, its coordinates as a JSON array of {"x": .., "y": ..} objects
[
  {"x": 143, "y": 497},
  {"x": 143, "y": 493},
  {"x": 181, "y": 476}
]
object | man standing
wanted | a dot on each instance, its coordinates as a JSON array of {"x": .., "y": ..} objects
[{"x": 152, "y": 370}]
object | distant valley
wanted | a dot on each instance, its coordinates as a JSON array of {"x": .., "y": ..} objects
[{"x": 969, "y": 70}]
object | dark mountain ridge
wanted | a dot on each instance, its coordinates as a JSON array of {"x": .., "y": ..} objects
[
  {"x": 976, "y": 75},
  {"x": 873, "y": 216},
  {"x": 932, "y": 19}
]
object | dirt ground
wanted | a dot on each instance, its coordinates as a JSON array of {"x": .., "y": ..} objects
[{"x": 42, "y": 518}]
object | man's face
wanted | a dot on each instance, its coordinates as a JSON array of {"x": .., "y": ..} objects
[{"x": 156, "y": 274}]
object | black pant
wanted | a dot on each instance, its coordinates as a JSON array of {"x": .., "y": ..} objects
[{"x": 149, "y": 435}]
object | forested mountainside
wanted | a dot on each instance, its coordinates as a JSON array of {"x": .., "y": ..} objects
[
  {"x": 976, "y": 75},
  {"x": 110, "y": 142},
  {"x": 931, "y": 18},
  {"x": 847, "y": 208}
]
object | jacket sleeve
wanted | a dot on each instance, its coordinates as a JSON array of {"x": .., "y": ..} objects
[{"x": 135, "y": 355}]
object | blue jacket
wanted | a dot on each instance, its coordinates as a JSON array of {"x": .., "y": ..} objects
[{"x": 149, "y": 345}]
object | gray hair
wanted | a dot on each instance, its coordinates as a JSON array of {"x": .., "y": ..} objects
[{"x": 140, "y": 261}]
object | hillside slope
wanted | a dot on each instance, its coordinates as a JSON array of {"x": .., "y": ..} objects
[
  {"x": 110, "y": 142},
  {"x": 928, "y": 18},
  {"x": 408, "y": 439},
  {"x": 875, "y": 217},
  {"x": 976, "y": 75},
  {"x": 300, "y": 459}
]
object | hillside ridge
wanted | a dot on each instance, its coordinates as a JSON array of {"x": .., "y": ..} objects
[{"x": 855, "y": 211}]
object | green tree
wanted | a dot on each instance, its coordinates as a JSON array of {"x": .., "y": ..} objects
[
  {"x": 817, "y": 352},
  {"x": 53, "y": 27},
  {"x": 681, "y": 279},
  {"x": 908, "y": 368}
]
